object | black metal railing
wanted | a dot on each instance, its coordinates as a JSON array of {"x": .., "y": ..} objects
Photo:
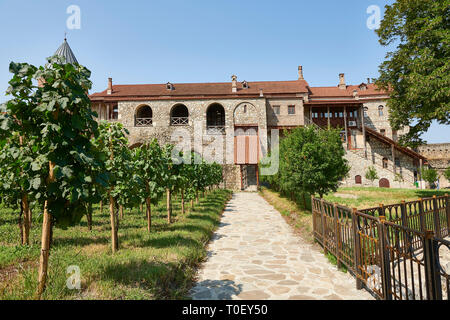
[{"x": 393, "y": 251}]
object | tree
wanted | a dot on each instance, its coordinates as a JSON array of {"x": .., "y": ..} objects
[
  {"x": 112, "y": 141},
  {"x": 371, "y": 174},
  {"x": 429, "y": 175},
  {"x": 311, "y": 161},
  {"x": 148, "y": 164},
  {"x": 55, "y": 120},
  {"x": 417, "y": 73},
  {"x": 447, "y": 174}
]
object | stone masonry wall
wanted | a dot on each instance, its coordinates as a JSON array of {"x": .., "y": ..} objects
[{"x": 194, "y": 136}]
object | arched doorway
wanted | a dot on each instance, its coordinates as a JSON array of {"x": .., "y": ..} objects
[
  {"x": 215, "y": 119},
  {"x": 384, "y": 183},
  {"x": 358, "y": 179},
  {"x": 179, "y": 115},
  {"x": 143, "y": 117}
]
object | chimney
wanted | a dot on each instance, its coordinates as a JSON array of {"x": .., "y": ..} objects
[
  {"x": 109, "y": 90},
  {"x": 342, "y": 81},
  {"x": 233, "y": 83},
  {"x": 368, "y": 80},
  {"x": 261, "y": 94},
  {"x": 300, "y": 73}
]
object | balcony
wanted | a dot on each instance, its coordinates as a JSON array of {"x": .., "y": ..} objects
[
  {"x": 179, "y": 121},
  {"x": 143, "y": 122}
]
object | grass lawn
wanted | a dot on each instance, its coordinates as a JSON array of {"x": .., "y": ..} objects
[
  {"x": 361, "y": 198},
  {"x": 157, "y": 265},
  {"x": 354, "y": 197}
]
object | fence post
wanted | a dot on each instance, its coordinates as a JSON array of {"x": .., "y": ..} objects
[
  {"x": 356, "y": 250},
  {"x": 437, "y": 225},
  {"x": 447, "y": 210},
  {"x": 431, "y": 259},
  {"x": 324, "y": 239},
  {"x": 404, "y": 214},
  {"x": 381, "y": 210},
  {"x": 313, "y": 217},
  {"x": 385, "y": 261},
  {"x": 421, "y": 216},
  {"x": 337, "y": 235}
]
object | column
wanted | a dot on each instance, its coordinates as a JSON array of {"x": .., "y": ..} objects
[
  {"x": 363, "y": 130},
  {"x": 345, "y": 126},
  {"x": 328, "y": 116},
  {"x": 420, "y": 173},
  {"x": 107, "y": 112},
  {"x": 393, "y": 158}
]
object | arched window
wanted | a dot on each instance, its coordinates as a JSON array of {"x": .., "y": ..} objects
[
  {"x": 380, "y": 111},
  {"x": 215, "y": 119},
  {"x": 179, "y": 115},
  {"x": 144, "y": 116},
  {"x": 385, "y": 163},
  {"x": 365, "y": 112},
  {"x": 358, "y": 179}
]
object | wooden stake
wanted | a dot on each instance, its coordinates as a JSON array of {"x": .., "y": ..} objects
[
  {"x": 45, "y": 240},
  {"x": 169, "y": 205},
  {"x": 26, "y": 220},
  {"x": 149, "y": 214},
  {"x": 182, "y": 201}
]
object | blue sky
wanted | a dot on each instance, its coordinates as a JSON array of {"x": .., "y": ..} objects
[{"x": 200, "y": 41}]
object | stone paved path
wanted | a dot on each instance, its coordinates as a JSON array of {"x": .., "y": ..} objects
[{"x": 255, "y": 255}]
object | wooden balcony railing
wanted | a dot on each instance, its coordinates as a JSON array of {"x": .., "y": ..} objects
[
  {"x": 179, "y": 121},
  {"x": 215, "y": 129},
  {"x": 143, "y": 122}
]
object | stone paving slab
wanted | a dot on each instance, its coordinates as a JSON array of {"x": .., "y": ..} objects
[{"x": 254, "y": 254}]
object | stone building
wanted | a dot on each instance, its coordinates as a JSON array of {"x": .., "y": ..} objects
[
  {"x": 244, "y": 115},
  {"x": 438, "y": 157},
  {"x": 234, "y": 123}
]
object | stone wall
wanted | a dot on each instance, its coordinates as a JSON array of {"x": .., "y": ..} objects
[
  {"x": 375, "y": 121},
  {"x": 285, "y": 119},
  {"x": 438, "y": 157},
  {"x": 376, "y": 151}
]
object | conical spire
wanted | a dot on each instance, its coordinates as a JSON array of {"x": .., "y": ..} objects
[{"x": 65, "y": 51}]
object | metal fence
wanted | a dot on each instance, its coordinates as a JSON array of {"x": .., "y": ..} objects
[{"x": 393, "y": 251}]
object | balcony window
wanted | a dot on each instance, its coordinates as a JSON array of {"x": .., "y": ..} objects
[
  {"x": 144, "y": 117},
  {"x": 215, "y": 119},
  {"x": 179, "y": 115}
]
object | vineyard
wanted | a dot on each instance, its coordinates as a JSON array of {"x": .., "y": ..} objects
[{"x": 60, "y": 169}]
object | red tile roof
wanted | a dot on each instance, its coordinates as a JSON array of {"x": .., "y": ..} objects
[
  {"x": 331, "y": 92},
  {"x": 203, "y": 89}
]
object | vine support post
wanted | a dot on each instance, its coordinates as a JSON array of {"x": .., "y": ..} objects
[
  {"x": 182, "y": 201},
  {"x": 169, "y": 205},
  {"x": 45, "y": 240}
]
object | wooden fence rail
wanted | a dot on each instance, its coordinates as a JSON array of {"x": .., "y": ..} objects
[{"x": 393, "y": 250}]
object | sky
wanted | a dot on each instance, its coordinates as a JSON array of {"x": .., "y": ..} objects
[{"x": 138, "y": 41}]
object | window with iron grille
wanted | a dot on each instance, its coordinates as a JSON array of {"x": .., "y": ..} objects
[{"x": 291, "y": 109}]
